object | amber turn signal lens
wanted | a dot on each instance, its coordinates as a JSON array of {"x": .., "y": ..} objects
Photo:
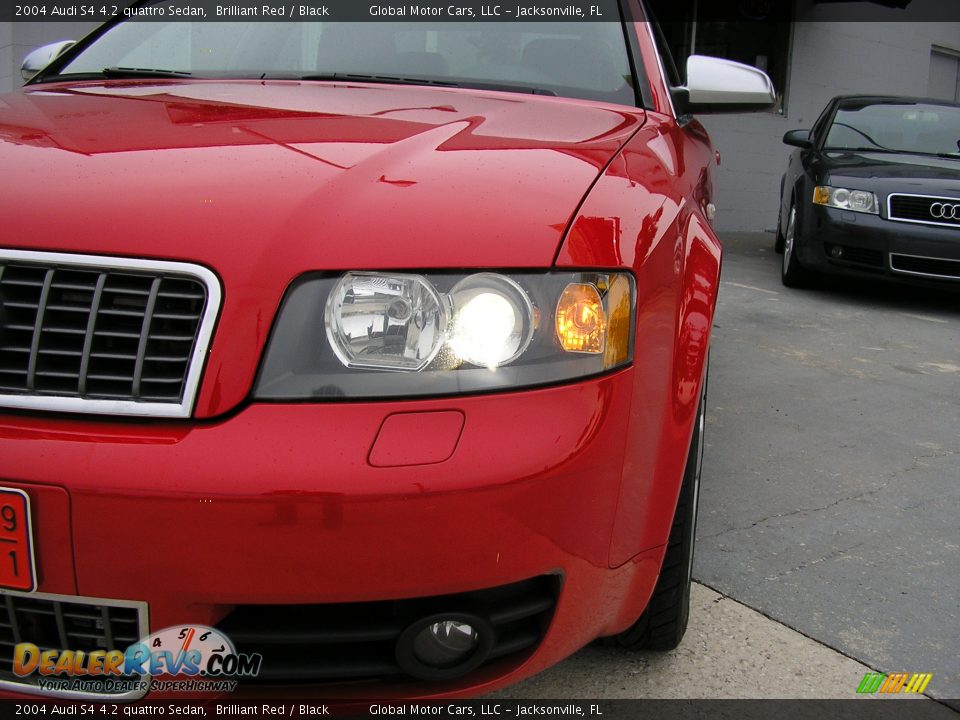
[
  {"x": 620, "y": 312},
  {"x": 581, "y": 320},
  {"x": 821, "y": 195}
]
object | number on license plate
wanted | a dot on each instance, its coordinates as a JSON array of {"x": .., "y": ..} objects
[{"x": 16, "y": 541}]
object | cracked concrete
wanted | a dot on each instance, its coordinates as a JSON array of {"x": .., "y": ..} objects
[
  {"x": 730, "y": 651},
  {"x": 829, "y": 529},
  {"x": 831, "y": 491}
]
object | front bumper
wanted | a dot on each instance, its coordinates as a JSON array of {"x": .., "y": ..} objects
[
  {"x": 873, "y": 245},
  {"x": 281, "y": 504}
]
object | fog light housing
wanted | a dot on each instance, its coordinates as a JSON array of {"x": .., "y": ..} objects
[{"x": 444, "y": 646}]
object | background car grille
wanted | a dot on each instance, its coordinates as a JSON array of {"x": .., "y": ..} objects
[
  {"x": 932, "y": 267},
  {"x": 57, "y": 623},
  {"x": 97, "y": 333},
  {"x": 355, "y": 641},
  {"x": 912, "y": 208}
]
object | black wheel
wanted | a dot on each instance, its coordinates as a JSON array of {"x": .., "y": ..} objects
[
  {"x": 792, "y": 273},
  {"x": 778, "y": 237},
  {"x": 663, "y": 623},
  {"x": 778, "y": 240}
]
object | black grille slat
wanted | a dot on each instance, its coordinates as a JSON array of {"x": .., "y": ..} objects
[
  {"x": 148, "y": 314},
  {"x": 77, "y": 331},
  {"x": 37, "y": 325},
  {"x": 61, "y": 625}
]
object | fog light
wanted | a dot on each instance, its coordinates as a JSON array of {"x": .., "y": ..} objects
[
  {"x": 836, "y": 251},
  {"x": 446, "y": 643},
  {"x": 444, "y": 646}
]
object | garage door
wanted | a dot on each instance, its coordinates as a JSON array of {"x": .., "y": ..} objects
[{"x": 944, "y": 83}]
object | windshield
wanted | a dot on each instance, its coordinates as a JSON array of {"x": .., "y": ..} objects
[
  {"x": 585, "y": 60},
  {"x": 896, "y": 127}
]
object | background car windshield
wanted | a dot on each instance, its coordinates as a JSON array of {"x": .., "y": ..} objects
[
  {"x": 901, "y": 127},
  {"x": 587, "y": 60}
]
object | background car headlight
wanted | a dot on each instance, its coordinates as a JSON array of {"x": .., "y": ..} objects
[
  {"x": 443, "y": 333},
  {"x": 854, "y": 200}
]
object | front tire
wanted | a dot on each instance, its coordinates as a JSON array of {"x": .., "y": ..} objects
[
  {"x": 792, "y": 273},
  {"x": 778, "y": 239},
  {"x": 664, "y": 622}
]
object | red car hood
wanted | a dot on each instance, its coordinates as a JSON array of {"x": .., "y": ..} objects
[{"x": 274, "y": 178}]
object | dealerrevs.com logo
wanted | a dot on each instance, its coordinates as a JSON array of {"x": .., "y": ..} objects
[{"x": 186, "y": 658}]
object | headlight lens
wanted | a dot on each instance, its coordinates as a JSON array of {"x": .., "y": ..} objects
[
  {"x": 492, "y": 322},
  {"x": 390, "y": 322},
  {"x": 445, "y": 333},
  {"x": 855, "y": 200}
]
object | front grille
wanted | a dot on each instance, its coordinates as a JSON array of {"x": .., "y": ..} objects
[
  {"x": 357, "y": 641},
  {"x": 63, "y": 622},
  {"x": 103, "y": 335},
  {"x": 926, "y": 266},
  {"x": 917, "y": 208}
]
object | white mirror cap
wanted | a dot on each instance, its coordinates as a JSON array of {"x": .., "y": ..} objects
[
  {"x": 716, "y": 81},
  {"x": 41, "y": 57}
]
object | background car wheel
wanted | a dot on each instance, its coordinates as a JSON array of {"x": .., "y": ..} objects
[
  {"x": 778, "y": 239},
  {"x": 663, "y": 623},
  {"x": 792, "y": 273}
]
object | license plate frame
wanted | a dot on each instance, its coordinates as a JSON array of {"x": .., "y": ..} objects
[{"x": 18, "y": 567}]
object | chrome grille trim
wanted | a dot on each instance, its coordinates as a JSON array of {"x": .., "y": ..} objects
[
  {"x": 105, "y": 406},
  {"x": 8, "y": 599},
  {"x": 932, "y": 198},
  {"x": 947, "y": 261}
]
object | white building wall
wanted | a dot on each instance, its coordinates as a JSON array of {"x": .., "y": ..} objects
[
  {"x": 829, "y": 57},
  {"x": 6, "y": 56},
  {"x": 18, "y": 39}
]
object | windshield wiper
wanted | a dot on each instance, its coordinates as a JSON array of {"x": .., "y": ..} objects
[
  {"x": 128, "y": 72},
  {"x": 402, "y": 80},
  {"x": 891, "y": 151}
]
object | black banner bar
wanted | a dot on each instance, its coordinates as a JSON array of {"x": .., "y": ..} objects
[
  {"x": 314, "y": 10},
  {"x": 919, "y": 708},
  {"x": 759, "y": 11}
]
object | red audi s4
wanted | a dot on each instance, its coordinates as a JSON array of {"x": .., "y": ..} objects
[{"x": 358, "y": 359}]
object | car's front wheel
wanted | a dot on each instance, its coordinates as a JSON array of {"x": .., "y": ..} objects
[
  {"x": 778, "y": 238},
  {"x": 792, "y": 273},
  {"x": 663, "y": 623}
]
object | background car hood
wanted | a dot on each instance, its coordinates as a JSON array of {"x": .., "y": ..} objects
[
  {"x": 886, "y": 173},
  {"x": 286, "y": 176}
]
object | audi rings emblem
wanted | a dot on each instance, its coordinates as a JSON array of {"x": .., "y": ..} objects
[{"x": 945, "y": 211}]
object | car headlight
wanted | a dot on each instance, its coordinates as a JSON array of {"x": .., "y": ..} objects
[
  {"x": 383, "y": 334},
  {"x": 855, "y": 200}
]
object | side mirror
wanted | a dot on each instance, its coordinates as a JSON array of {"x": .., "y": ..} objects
[
  {"x": 715, "y": 85},
  {"x": 798, "y": 138},
  {"x": 43, "y": 56}
]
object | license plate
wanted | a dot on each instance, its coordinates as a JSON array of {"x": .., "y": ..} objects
[{"x": 17, "y": 570}]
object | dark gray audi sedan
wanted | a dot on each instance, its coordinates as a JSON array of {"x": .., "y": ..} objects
[{"x": 873, "y": 189}]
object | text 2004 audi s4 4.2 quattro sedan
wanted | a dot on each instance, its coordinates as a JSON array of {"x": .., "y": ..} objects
[{"x": 370, "y": 354}]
